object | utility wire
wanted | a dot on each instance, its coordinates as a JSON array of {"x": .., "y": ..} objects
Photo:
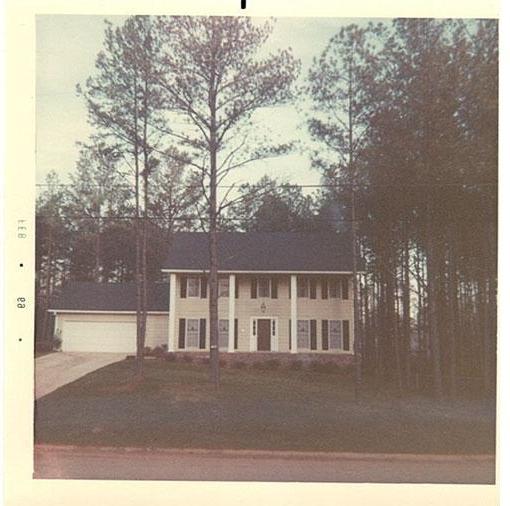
[
  {"x": 85, "y": 216},
  {"x": 336, "y": 185}
]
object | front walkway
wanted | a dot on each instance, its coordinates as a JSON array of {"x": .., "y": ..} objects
[{"x": 57, "y": 369}]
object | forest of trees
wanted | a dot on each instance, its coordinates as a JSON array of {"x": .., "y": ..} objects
[{"x": 403, "y": 122}]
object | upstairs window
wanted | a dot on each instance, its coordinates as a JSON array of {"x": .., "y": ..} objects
[
  {"x": 338, "y": 288},
  {"x": 264, "y": 287},
  {"x": 307, "y": 287},
  {"x": 223, "y": 287},
  {"x": 193, "y": 287},
  {"x": 303, "y": 287},
  {"x": 334, "y": 288}
]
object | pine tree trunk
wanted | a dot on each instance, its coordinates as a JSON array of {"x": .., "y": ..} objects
[
  {"x": 491, "y": 308},
  {"x": 381, "y": 330},
  {"x": 213, "y": 252},
  {"x": 97, "y": 249},
  {"x": 420, "y": 325},
  {"x": 452, "y": 319},
  {"x": 143, "y": 268},
  {"x": 366, "y": 322},
  {"x": 393, "y": 331},
  {"x": 143, "y": 312},
  {"x": 355, "y": 249},
  {"x": 432, "y": 286},
  {"x": 406, "y": 312},
  {"x": 357, "y": 336},
  {"x": 213, "y": 279},
  {"x": 138, "y": 270}
]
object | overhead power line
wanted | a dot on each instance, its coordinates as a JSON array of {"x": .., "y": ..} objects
[
  {"x": 290, "y": 185},
  {"x": 163, "y": 218}
]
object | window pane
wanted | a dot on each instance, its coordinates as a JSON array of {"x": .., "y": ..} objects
[
  {"x": 223, "y": 333},
  {"x": 192, "y": 330},
  {"x": 223, "y": 287},
  {"x": 335, "y": 334},
  {"x": 303, "y": 331},
  {"x": 334, "y": 288},
  {"x": 263, "y": 287},
  {"x": 302, "y": 287},
  {"x": 193, "y": 287}
]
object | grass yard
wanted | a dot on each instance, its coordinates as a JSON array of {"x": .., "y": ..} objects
[{"x": 254, "y": 409}]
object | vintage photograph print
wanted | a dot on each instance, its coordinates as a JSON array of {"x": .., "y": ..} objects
[{"x": 266, "y": 249}]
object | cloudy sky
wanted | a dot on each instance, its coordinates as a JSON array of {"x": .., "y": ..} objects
[{"x": 66, "y": 50}]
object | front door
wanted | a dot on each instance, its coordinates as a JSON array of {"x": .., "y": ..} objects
[{"x": 264, "y": 335}]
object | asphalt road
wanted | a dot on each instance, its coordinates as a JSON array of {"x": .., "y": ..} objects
[{"x": 139, "y": 464}]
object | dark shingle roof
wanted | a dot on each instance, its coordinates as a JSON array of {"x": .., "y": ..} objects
[
  {"x": 263, "y": 251},
  {"x": 88, "y": 296}
]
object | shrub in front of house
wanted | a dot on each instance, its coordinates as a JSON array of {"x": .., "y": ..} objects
[
  {"x": 44, "y": 345},
  {"x": 47, "y": 345},
  {"x": 169, "y": 356},
  {"x": 187, "y": 358},
  {"x": 325, "y": 367},
  {"x": 267, "y": 365},
  {"x": 158, "y": 351},
  {"x": 57, "y": 341},
  {"x": 295, "y": 365},
  {"x": 238, "y": 364}
]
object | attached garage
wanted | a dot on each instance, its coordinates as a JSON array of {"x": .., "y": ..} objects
[
  {"x": 93, "y": 317},
  {"x": 108, "y": 336}
]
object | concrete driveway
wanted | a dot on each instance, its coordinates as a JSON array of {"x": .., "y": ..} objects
[{"x": 57, "y": 369}]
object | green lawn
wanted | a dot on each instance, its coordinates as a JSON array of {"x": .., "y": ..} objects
[{"x": 280, "y": 409}]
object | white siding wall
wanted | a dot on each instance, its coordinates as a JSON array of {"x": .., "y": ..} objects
[{"x": 247, "y": 308}]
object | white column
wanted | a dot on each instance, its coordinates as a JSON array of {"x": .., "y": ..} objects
[
  {"x": 231, "y": 311},
  {"x": 293, "y": 313},
  {"x": 171, "y": 312}
]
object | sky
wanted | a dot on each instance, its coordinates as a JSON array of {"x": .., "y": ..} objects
[{"x": 67, "y": 46}]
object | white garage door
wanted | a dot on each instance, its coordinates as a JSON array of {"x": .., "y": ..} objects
[{"x": 112, "y": 336}]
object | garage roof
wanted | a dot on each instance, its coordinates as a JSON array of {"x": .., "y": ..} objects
[
  {"x": 89, "y": 296},
  {"x": 263, "y": 251}
]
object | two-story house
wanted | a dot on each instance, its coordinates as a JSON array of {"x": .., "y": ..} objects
[{"x": 278, "y": 293}]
